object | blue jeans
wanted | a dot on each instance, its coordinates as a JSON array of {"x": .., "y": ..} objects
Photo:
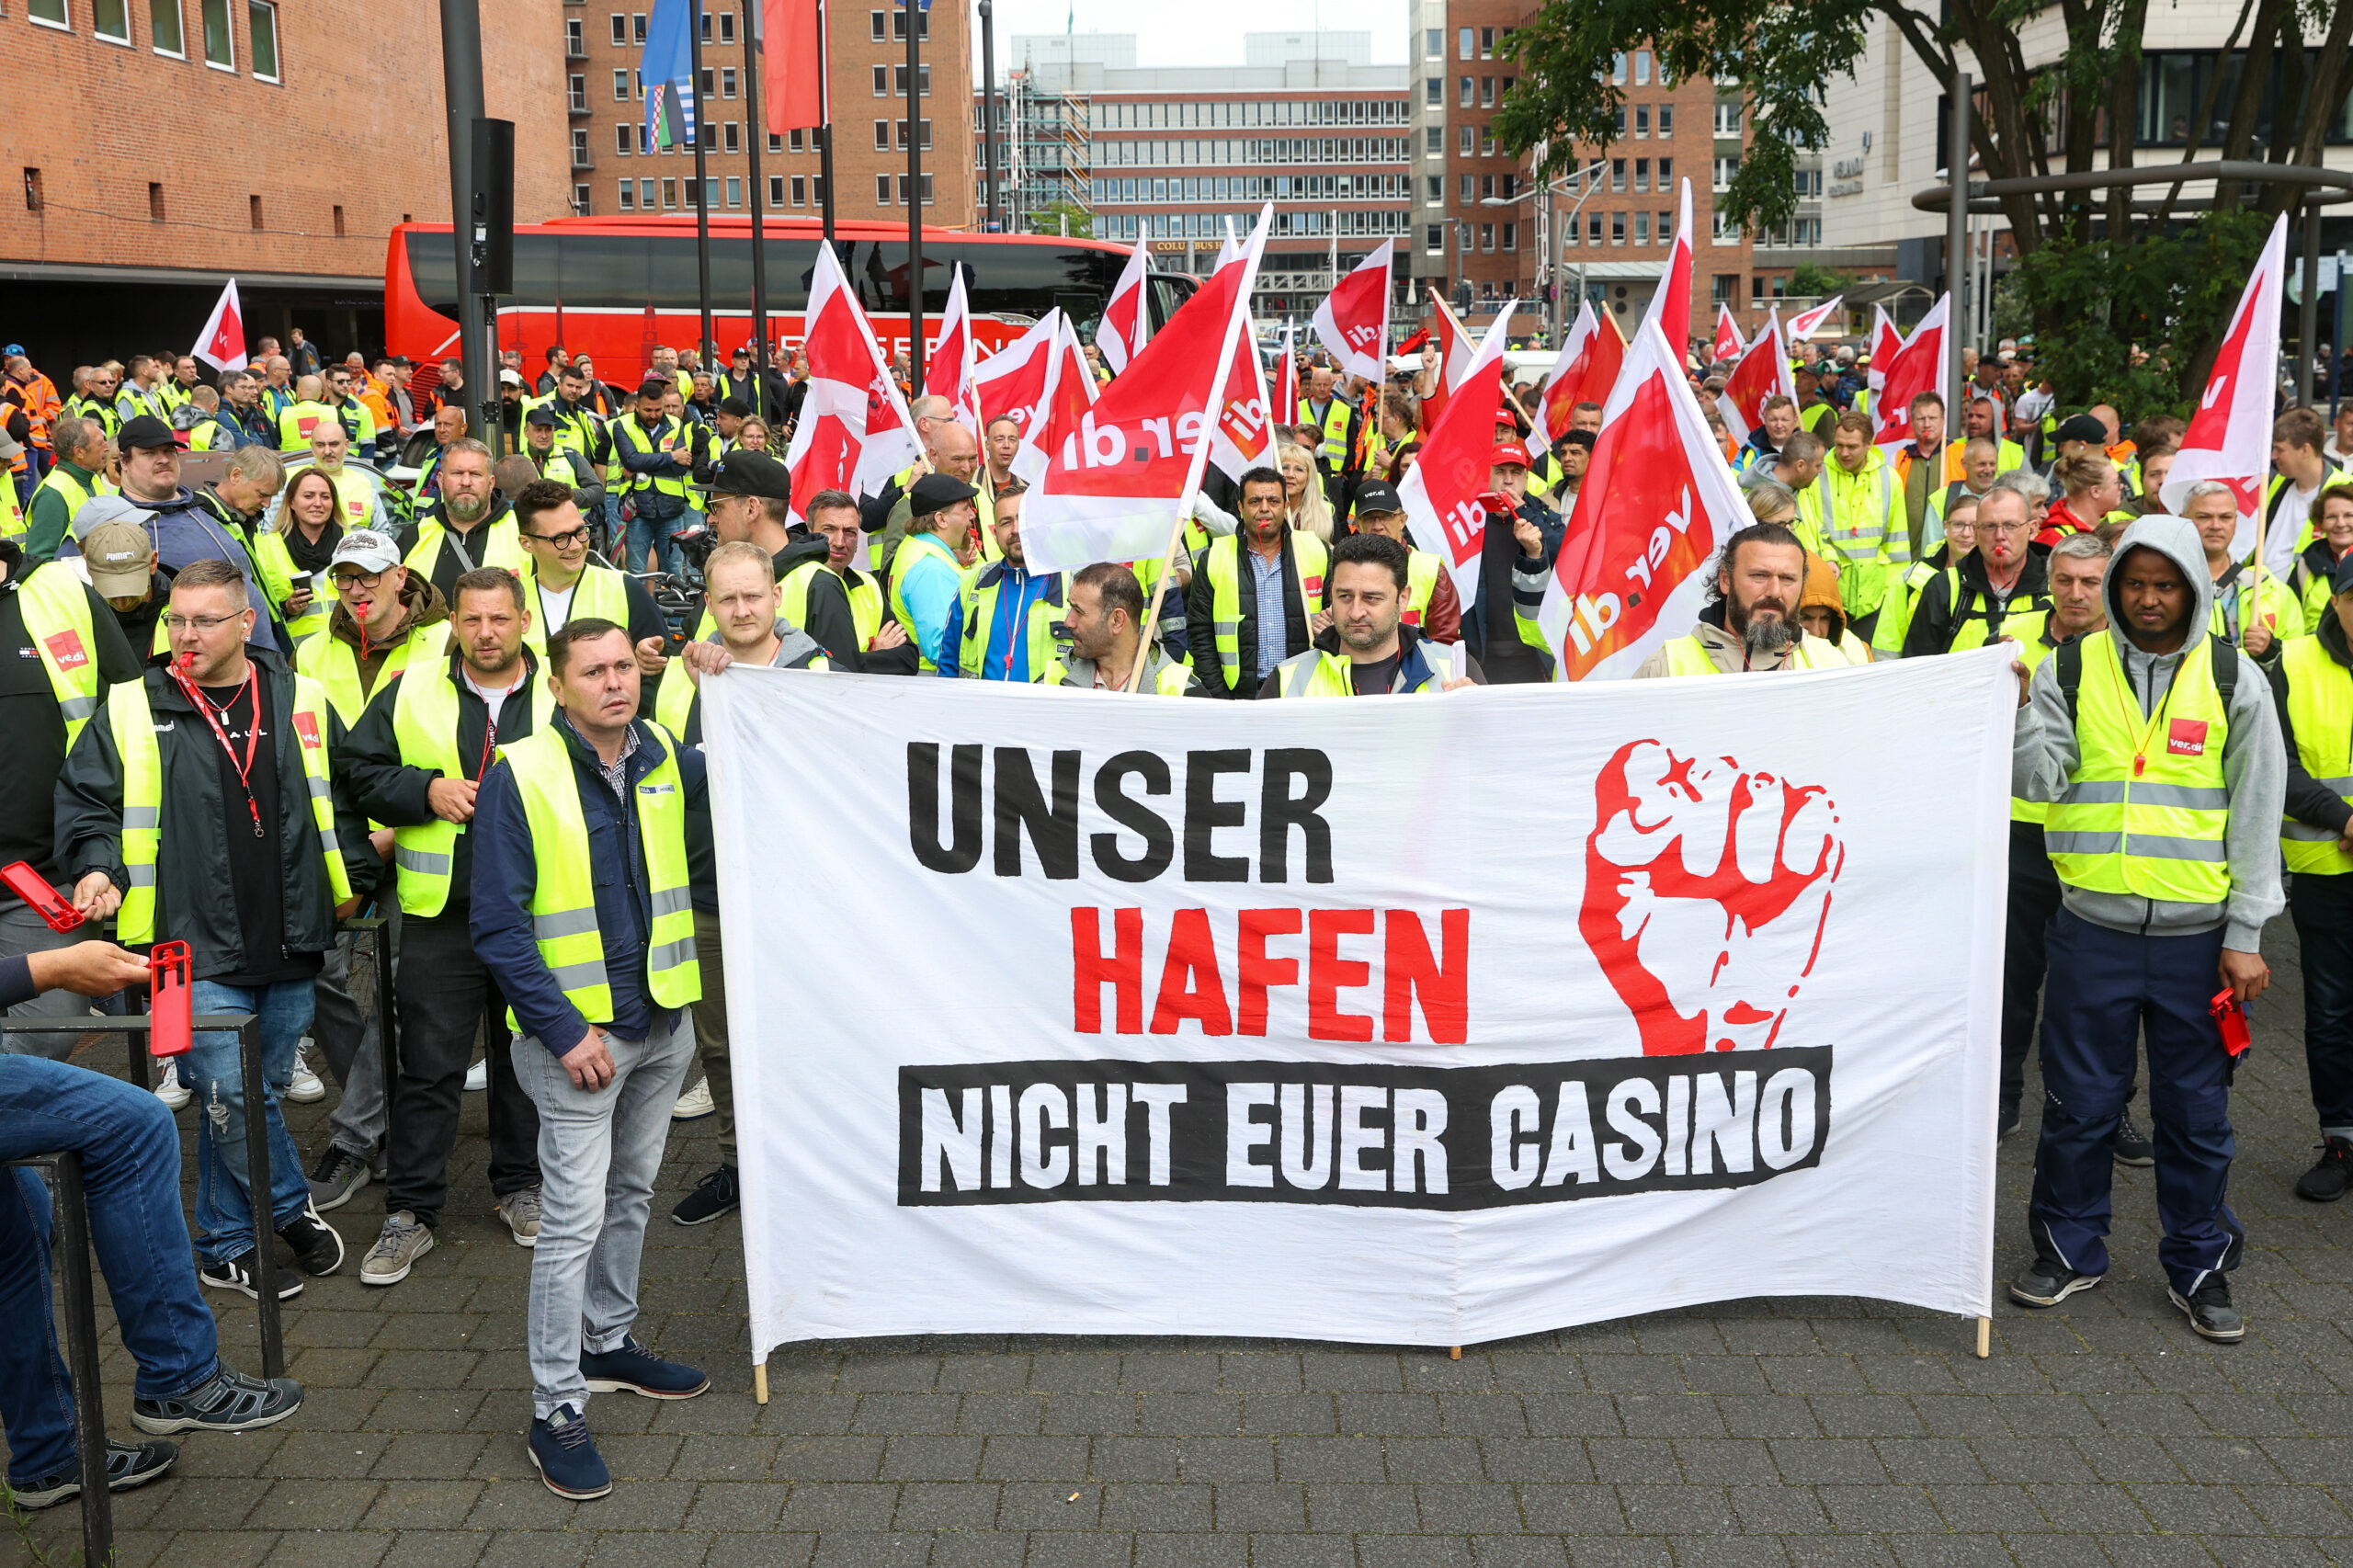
[
  {"x": 2107, "y": 990},
  {"x": 651, "y": 536},
  {"x": 131, "y": 1175},
  {"x": 225, "y": 1224}
]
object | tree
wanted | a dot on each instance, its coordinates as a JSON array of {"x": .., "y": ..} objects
[
  {"x": 1048, "y": 219},
  {"x": 2054, "y": 118},
  {"x": 1810, "y": 281}
]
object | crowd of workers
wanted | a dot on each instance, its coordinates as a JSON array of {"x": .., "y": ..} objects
[{"x": 371, "y": 661}]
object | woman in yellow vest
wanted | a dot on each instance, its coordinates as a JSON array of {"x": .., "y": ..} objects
[{"x": 292, "y": 556}]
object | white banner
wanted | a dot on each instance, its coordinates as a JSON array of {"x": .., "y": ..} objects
[{"x": 1411, "y": 1022}]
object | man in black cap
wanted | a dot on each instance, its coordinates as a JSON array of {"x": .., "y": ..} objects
[
  {"x": 928, "y": 571},
  {"x": 552, "y": 461},
  {"x": 2077, "y": 433},
  {"x": 182, "y": 527}
]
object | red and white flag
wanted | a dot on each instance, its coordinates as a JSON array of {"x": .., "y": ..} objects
[
  {"x": 1011, "y": 382},
  {"x": 1455, "y": 347},
  {"x": 1917, "y": 366},
  {"x": 1282, "y": 399},
  {"x": 1353, "y": 320},
  {"x": 1585, "y": 370},
  {"x": 792, "y": 68},
  {"x": 2230, "y": 436},
  {"x": 1108, "y": 482},
  {"x": 222, "y": 342},
  {"x": 1805, "y": 324},
  {"x": 948, "y": 369},
  {"x": 1886, "y": 343},
  {"x": 1456, "y": 466},
  {"x": 1727, "y": 342},
  {"x": 1074, "y": 385},
  {"x": 1245, "y": 436},
  {"x": 1762, "y": 372},
  {"x": 855, "y": 431},
  {"x": 1656, "y": 505},
  {"x": 1671, "y": 305},
  {"x": 1127, "y": 318}
]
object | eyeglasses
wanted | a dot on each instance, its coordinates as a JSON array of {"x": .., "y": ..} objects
[
  {"x": 572, "y": 541},
  {"x": 345, "y": 581},
  {"x": 2005, "y": 527},
  {"x": 202, "y": 623}
]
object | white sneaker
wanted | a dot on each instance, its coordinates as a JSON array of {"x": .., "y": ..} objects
[
  {"x": 478, "y": 1076},
  {"x": 171, "y": 1091},
  {"x": 695, "y": 1104},
  {"x": 304, "y": 1087}
]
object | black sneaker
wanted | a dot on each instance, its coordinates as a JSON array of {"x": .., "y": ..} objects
[
  {"x": 2048, "y": 1283},
  {"x": 2326, "y": 1181},
  {"x": 317, "y": 1245},
  {"x": 2209, "y": 1311},
  {"x": 237, "y": 1274},
  {"x": 2006, "y": 1120},
  {"x": 2132, "y": 1146},
  {"x": 227, "y": 1402},
  {"x": 717, "y": 1194},
  {"x": 128, "y": 1465},
  {"x": 337, "y": 1176}
]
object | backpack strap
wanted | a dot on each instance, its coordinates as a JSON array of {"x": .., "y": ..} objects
[
  {"x": 2068, "y": 660},
  {"x": 2227, "y": 671}
]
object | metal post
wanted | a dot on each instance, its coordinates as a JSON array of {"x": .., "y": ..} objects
[
  {"x": 2336, "y": 340},
  {"x": 988, "y": 113},
  {"x": 462, "y": 100},
  {"x": 753, "y": 47},
  {"x": 826, "y": 177},
  {"x": 915, "y": 191},
  {"x": 2308, "y": 308},
  {"x": 82, "y": 1356},
  {"x": 702, "y": 181},
  {"x": 258, "y": 1206},
  {"x": 1957, "y": 240}
]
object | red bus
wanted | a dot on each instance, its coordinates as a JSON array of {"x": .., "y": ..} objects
[{"x": 616, "y": 288}]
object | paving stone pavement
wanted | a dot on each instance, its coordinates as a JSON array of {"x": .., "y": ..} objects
[{"x": 1793, "y": 1433}]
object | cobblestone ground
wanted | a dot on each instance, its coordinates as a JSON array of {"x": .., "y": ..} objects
[{"x": 1810, "y": 1433}]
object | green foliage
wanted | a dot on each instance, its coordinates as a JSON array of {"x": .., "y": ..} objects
[
  {"x": 2126, "y": 325},
  {"x": 1047, "y": 218},
  {"x": 1820, "y": 282}
]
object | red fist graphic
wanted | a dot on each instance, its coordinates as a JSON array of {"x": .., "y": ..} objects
[{"x": 1706, "y": 890}]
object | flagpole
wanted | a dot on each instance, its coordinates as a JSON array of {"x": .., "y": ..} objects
[
  {"x": 991, "y": 217},
  {"x": 915, "y": 189},
  {"x": 826, "y": 118},
  {"x": 753, "y": 48},
  {"x": 702, "y": 179}
]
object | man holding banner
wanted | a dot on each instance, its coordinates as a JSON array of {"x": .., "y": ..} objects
[{"x": 2161, "y": 753}]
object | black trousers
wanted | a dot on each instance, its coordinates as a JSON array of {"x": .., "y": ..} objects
[
  {"x": 446, "y": 997},
  {"x": 2034, "y": 899},
  {"x": 2322, "y": 907}
]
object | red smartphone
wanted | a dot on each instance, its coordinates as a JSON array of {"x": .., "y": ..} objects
[
  {"x": 34, "y": 888},
  {"x": 2230, "y": 1016},
  {"x": 1497, "y": 503},
  {"x": 171, "y": 1034}
]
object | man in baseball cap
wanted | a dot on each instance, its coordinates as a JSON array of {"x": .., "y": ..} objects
[
  {"x": 123, "y": 572},
  {"x": 180, "y": 526},
  {"x": 927, "y": 572},
  {"x": 1431, "y": 607}
]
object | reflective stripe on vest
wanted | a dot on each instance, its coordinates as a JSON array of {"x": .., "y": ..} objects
[
  {"x": 1335, "y": 428},
  {"x": 979, "y": 605},
  {"x": 56, "y": 606},
  {"x": 2159, "y": 834},
  {"x": 563, "y": 897},
  {"x": 2032, "y": 651},
  {"x": 1222, "y": 561},
  {"x": 2320, "y": 708},
  {"x": 59, "y": 482},
  {"x": 272, "y": 558},
  {"x": 1318, "y": 673},
  {"x": 425, "y": 726},
  {"x": 652, "y": 440},
  {"x": 1689, "y": 656},
  {"x": 911, "y": 549},
  {"x": 132, "y": 721}
]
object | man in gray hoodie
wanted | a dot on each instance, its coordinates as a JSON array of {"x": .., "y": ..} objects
[{"x": 2158, "y": 746}]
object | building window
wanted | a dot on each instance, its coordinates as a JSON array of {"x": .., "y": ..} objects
[
  {"x": 111, "y": 19},
  {"x": 1727, "y": 233},
  {"x": 727, "y": 81},
  {"x": 1642, "y": 173},
  {"x": 1468, "y": 90},
  {"x": 1511, "y": 237},
  {"x": 620, "y": 86},
  {"x": 882, "y": 135},
  {"x": 220, "y": 44},
  {"x": 776, "y": 143},
  {"x": 1467, "y": 196},
  {"x": 1667, "y": 228},
  {"x": 1437, "y": 197},
  {"x": 628, "y": 194},
  {"x": 1665, "y": 122},
  {"x": 776, "y": 191},
  {"x": 1434, "y": 142},
  {"x": 1642, "y": 120},
  {"x": 1728, "y": 118},
  {"x": 731, "y": 138},
  {"x": 1433, "y": 95},
  {"x": 1665, "y": 173},
  {"x": 1434, "y": 240},
  {"x": 624, "y": 135},
  {"x": 1727, "y": 170},
  {"x": 164, "y": 19},
  {"x": 1617, "y": 173},
  {"x": 1467, "y": 139},
  {"x": 637, "y": 30},
  {"x": 927, "y": 190},
  {"x": 620, "y": 29},
  {"x": 727, "y": 27},
  {"x": 734, "y": 190},
  {"x": 1434, "y": 43},
  {"x": 261, "y": 35},
  {"x": 1617, "y": 228},
  {"x": 1487, "y": 92},
  {"x": 1642, "y": 68},
  {"x": 882, "y": 190},
  {"x": 669, "y": 193},
  {"x": 1617, "y": 69},
  {"x": 1486, "y": 236},
  {"x": 1641, "y": 228},
  {"x": 875, "y": 26},
  {"x": 50, "y": 13},
  {"x": 580, "y": 200},
  {"x": 798, "y": 144},
  {"x": 580, "y": 159},
  {"x": 881, "y": 81},
  {"x": 1592, "y": 228},
  {"x": 817, "y": 190}
]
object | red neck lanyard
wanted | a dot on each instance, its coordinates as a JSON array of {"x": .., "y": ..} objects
[
  {"x": 244, "y": 765},
  {"x": 490, "y": 729}
]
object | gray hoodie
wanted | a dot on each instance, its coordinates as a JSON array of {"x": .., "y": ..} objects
[{"x": 2255, "y": 768}]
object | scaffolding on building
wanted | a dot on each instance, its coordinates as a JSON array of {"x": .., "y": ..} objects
[{"x": 1050, "y": 158}]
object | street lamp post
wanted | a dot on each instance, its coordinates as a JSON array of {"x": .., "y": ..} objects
[{"x": 1550, "y": 189}]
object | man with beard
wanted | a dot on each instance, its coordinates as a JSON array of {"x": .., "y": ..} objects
[
  {"x": 470, "y": 525},
  {"x": 1367, "y": 650},
  {"x": 1255, "y": 598},
  {"x": 1751, "y": 625}
]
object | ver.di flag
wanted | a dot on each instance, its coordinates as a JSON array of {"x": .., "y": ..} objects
[
  {"x": 1762, "y": 373},
  {"x": 1656, "y": 505},
  {"x": 222, "y": 343},
  {"x": 1011, "y": 383},
  {"x": 1127, "y": 315},
  {"x": 1805, "y": 324},
  {"x": 855, "y": 431},
  {"x": 948, "y": 369},
  {"x": 1727, "y": 343},
  {"x": 1584, "y": 371},
  {"x": 1441, "y": 490},
  {"x": 1353, "y": 320},
  {"x": 1917, "y": 367},
  {"x": 1671, "y": 305},
  {"x": 2229, "y": 437}
]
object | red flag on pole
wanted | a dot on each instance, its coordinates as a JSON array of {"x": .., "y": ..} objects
[
  {"x": 792, "y": 64},
  {"x": 1127, "y": 316},
  {"x": 1671, "y": 306},
  {"x": 1727, "y": 342},
  {"x": 1917, "y": 367},
  {"x": 1763, "y": 371},
  {"x": 1656, "y": 505},
  {"x": 855, "y": 431},
  {"x": 1805, "y": 324},
  {"x": 1585, "y": 372},
  {"x": 1441, "y": 490},
  {"x": 1353, "y": 320},
  {"x": 1282, "y": 401},
  {"x": 222, "y": 342},
  {"x": 1011, "y": 382},
  {"x": 2230, "y": 434},
  {"x": 948, "y": 369}
]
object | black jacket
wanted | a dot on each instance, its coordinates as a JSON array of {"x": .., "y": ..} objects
[
  {"x": 1200, "y": 626},
  {"x": 1935, "y": 622},
  {"x": 194, "y": 902},
  {"x": 830, "y": 621},
  {"x": 1527, "y": 577},
  {"x": 392, "y": 791}
]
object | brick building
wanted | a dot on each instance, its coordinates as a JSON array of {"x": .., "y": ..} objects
[
  {"x": 616, "y": 169},
  {"x": 190, "y": 141}
]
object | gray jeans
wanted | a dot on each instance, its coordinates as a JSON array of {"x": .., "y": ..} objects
[
  {"x": 22, "y": 932},
  {"x": 348, "y": 1028},
  {"x": 599, "y": 1154}
]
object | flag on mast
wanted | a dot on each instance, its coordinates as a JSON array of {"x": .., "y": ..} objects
[
  {"x": 222, "y": 343},
  {"x": 667, "y": 69}
]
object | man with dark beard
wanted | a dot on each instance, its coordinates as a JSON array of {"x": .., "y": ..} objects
[{"x": 1751, "y": 625}]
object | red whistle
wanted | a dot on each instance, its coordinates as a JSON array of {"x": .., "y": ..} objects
[
  {"x": 34, "y": 888},
  {"x": 170, "y": 1034},
  {"x": 2230, "y": 1016}
]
